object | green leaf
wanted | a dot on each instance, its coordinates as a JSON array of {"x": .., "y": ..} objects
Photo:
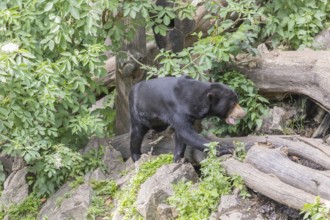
[
  {"x": 75, "y": 13},
  {"x": 4, "y": 111},
  {"x": 51, "y": 45},
  {"x": 48, "y": 6},
  {"x": 28, "y": 55},
  {"x": 166, "y": 20}
]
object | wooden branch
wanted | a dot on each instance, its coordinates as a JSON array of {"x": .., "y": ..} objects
[
  {"x": 317, "y": 143},
  {"x": 269, "y": 185},
  {"x": 276, "y": 162},
  {"x": 298, "y": 72},
  {"x": 316, "y": 152}
]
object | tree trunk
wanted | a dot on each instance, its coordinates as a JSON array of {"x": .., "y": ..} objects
[
  {"x": 127, "y": 74},
  {"x": 296, "y": 72}
]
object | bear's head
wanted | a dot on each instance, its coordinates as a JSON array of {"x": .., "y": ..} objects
[{"x": 224, "y": 103}]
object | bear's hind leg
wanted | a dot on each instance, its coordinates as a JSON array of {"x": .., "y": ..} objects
[
  {"x": 179, "y": 149},
  {"x": 137, "y": 133}
]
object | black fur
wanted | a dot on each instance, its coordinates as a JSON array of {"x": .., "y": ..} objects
[{"x": 178, "y": 102}]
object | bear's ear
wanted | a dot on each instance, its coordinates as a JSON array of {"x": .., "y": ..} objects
[{"x": 210, "y": 95}]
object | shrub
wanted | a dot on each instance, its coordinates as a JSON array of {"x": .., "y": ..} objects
[{"x": 295, "y": 23}]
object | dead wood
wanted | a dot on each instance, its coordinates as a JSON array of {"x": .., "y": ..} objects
[
  {"x": 269, "y": 185},
  {"x": 154, "y": 144},
  {"x": 317, "y": 143},
  {"x": 276, "y": 162},
  {"x": 309, "y": 149},
  {"x": 296, "y": 72},
  {"x": 323, "y": 128},
  {"x": 267, "y": 170}
]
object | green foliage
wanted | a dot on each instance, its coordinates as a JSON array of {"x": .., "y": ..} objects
[
  {"x": 51, "y": 54},
  {"x": 51, "y": 58},
  {"x": 127, "y": 197},
  {"x": 218, "y": 46},
  {"x": 2, "y": 175},
  {"x": 239, "y": 152},
  {"x": 102, "y": 198},
  {"x": 27, "y": 210},
  {"x": 238, "y": 183},
  {"x": 142, "y": 12},
  {"x": 197, "y": 202},
  {"x": 316, "y": 210},
  {"x": 294, "y": 23},
  {"x": 254, "y": 104},
  {"x": 54, "y": 169},
  {"x": 77, "y": 182}
]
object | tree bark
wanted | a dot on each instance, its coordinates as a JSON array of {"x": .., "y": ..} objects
[
  {"x": 275, "y": 162},
  {"x": 296, "y": 72},
  {"x": 270, "y": 185},
  {"x": 267, "y": 169},
  {"x": 127, "y": 74}
]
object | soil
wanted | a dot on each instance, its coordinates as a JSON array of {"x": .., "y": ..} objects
[{"x": 261, "y": 207}]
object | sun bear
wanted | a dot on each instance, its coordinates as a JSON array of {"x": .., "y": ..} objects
[{"x": 178, "y": 102}]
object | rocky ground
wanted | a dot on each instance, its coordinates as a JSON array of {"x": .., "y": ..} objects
[{"x": 74, "y": 202}]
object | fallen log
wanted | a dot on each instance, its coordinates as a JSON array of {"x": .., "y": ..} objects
[
  {"x": 316, "y": 152},
  {"x": 276, "y": 162},
  {"x": 269, "y": 185},
  {"x": 296, "y": 72},
  {"x": 310, "y": 149},
  {"x": 267, "y": 170}
]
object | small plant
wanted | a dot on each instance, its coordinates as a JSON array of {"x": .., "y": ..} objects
[
  {"x": 27, "y": 210},
  {"x": 127, "y": 196},
  {"x": 102, "y": 200},
  {"x": 198, "y": 201},
  {"x": 294, "y": 23},
  {"x": 2, "y": 175},
  {"x": 316, "y": 210},
  {"x": 105, "y": 187},
  {"x": 60, "y": 200},
  {"x": 54, "y": 168},
  {"x": 238, "y": 183},
  {"x": 239, "y": 152},
  {"x": 77, "y": 182}
]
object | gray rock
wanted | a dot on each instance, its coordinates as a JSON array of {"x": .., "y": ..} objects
[
  {"x": 158, "y": 188},
  {"x": 227, "y": 202},
  {"x": 322, "y": 40},
  {"x": 165, "y": 212},
  {"x": 112, "y": 160},
  {"x": 231, "y": 216},
  {"x": 16, "y": 188},
  {"x": 116, "y": 215},
  {"x": 67, "y": 204},
  {"x": 7, "y": 162},
  {"x": 272, "y": 123},
  {"x": 97, "y": 174}
]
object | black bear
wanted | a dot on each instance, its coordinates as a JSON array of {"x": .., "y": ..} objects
[{"x": 178, "y": 102}]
